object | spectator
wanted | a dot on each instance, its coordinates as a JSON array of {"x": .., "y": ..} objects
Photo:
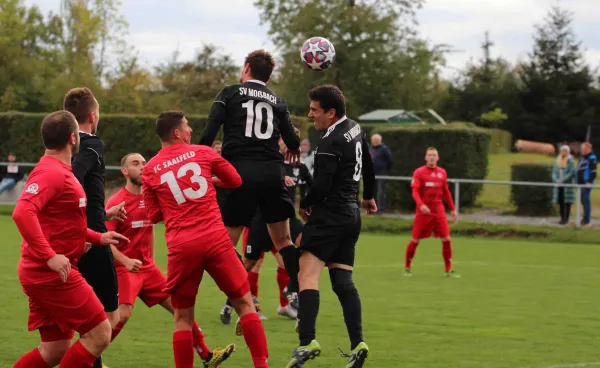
[
  {"x": 308, "y": 159},
  {"x": 382, "y": 163},
  {"x": 217, "y": 145},
  {"x": 564, "y": 173},
  {"x": 586, "y": 174},
  {"x": 10, "y": 174}
]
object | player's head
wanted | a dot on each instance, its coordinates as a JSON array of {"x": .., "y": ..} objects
[
  {"x": 217, "y": 145},
  {"x": 586, "y": 148},
  {"x": 173, "y": 127},
  {"x": 132, "y": 165},
  {"x": 282, "y": 146},
  {"x": 431, "y": 156},
  {"x": 327, "y": 105},
  {"x": 376, "y": 140},
  {"x": 259, "y": 65},
  {"x": 12, "y": 157},
  {"x": 59, "y": 131},
  {"x": 565, "y": 150},
  {"x": 81, "y": 102}
]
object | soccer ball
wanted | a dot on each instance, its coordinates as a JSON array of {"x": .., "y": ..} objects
[{"x": 317, "y": 53}]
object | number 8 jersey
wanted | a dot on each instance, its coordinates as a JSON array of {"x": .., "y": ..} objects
[
  {"x": 253, "y": 119},
  {"x": 178, "y": 189}
]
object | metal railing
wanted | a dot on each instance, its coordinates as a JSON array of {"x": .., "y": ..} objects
[{"x": 456, "y": 182}]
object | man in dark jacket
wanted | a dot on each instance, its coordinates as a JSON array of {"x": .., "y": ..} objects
[
  {"x": 10, "y": 174},
  {"x": 382, "y": 162},
  {"x": 586, "y": 174}
]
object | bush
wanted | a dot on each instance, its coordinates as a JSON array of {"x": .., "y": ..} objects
[
  {"x": 501, "y": 141},
  {"x": 463, "y": 154},
  {"x": 532, "y": 200}
]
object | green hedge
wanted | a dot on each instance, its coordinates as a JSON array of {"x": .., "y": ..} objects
[
  {"x": 121, "y": 134},
  {"x": 463, "y": 154},
  {"x": 501, "y": 141},
  {"x": 532, "y": 200}
]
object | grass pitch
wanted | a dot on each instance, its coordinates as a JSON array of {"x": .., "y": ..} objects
[{"x": 518, "y": 304}]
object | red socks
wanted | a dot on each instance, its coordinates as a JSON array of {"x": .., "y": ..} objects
[
  {"x": 199, "y": 343},
  {"x": 282, "y": 280},
  {"x": 411, "y": 249},
  {"x": 183, "y": 349},
  {"x": 117, "y": 331},
  {"x": 253, "y": 280},
  {"x": 447, "y": 254},
  {"x": 254, "y": 334},
  {"x": 78, "y": 357},
  {"x": 33, "y": 359}
]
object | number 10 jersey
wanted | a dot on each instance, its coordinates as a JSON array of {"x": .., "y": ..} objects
[{"x": 253, "y": 119}]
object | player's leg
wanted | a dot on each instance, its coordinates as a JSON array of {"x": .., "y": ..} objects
[
  {"x": 54, "y": 344},
  {"x": 423, "y": 226},
  {"x": 284, "y": 309},
  {"x": 130, "y": 285},
  {"x": 231, "y": 277},
  {"x": 89, "y": 347},
  {"x": 442, "y": 231},
  {"x": 253, "y": 268}
]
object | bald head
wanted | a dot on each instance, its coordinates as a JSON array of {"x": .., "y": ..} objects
[{"x": 376, "y": 140}]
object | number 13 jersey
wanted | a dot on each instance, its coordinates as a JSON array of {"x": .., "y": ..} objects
[
  {"x": 253, "y": 119},
  {"x": 178, "y": 189}
]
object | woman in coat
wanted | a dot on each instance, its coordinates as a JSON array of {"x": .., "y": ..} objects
[{"x": 564, "y": 173}]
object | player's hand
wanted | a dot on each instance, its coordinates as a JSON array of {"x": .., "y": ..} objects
[
  {"x": 60, "y": 264},
  {"x": 424, "y": 209},
  {"x": 289, "y": 182},
  {"x": 369, "y": 205},
  {"x": 304, "y": 213},
  {"x": 216, "y": 182},
  {"x": 293, "y": 156},
  {"x": 112, "y": 237},
  {"x": 454, "y": 216},
  {"x": 133, "y": 265},
  {"x": 117, "y": 212},
  {"x": 86, "y": 247}
]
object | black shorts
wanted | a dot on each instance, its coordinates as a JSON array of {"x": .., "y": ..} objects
[
  {"x": 332, "y": 235},
  {"x": 259, "y": 240},
  {"x": 97, "y": 266},
  {"x": 262, "y": 188}
]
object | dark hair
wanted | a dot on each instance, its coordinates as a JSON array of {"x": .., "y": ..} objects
[
  {"x": 261, "y": 64},
  {"x": 57, "y": 128},
  {"x": 80, "y": 102},
  {"x": 329, "y": 97},
  {"x": 167, "y": 122}
]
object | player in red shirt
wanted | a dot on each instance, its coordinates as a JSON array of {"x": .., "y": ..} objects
[
  {"x": 178, "y": 189},
  {"x": 51, "y": 216},
  {"x": 429, "y": 187},
  {"x": 138, "y": 275}
]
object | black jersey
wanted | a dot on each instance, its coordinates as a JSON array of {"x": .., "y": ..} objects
[
  {"x": 253, "y": 119},
  {"x": 298, "y": 173},
  {"x": 88, "y": 168},
  {"x": 341, "y": 158}
]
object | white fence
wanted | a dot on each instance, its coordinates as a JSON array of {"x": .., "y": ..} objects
[{"x": 456, "y": 183}]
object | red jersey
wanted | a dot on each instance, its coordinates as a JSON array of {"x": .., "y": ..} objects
[
  {"x": 178, "y": 188},
  {"x": 50, "y": 215},
  {"x": 137, "y": 227},
  {"x": 429, "y": 187}
]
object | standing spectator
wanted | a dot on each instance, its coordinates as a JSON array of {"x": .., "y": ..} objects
[
  {"x": 564, "y": 173},
  {"x": 308, "y": 159},
  {"x": 10, "y": 174},
  {"x": 382, "y": 163},
  {"x": 217, "y": 145},
  {"x": 586, "y": 174}
]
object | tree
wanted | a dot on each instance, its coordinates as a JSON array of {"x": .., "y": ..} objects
[
  {"x": 557, "y": 84},
  {"x": 493, "y": 118},
  {"x": 380, "y": 63}
]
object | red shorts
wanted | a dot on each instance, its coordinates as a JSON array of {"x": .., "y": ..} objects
[
  {"x": 425, "y": 225},
  {"x": 147, "y": 283},
  {"x": 57, "y": 310},
  {"x": 215, "y": 254}
]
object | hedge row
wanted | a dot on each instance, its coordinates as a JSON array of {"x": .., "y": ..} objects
[{"x": 532, "y": 200}]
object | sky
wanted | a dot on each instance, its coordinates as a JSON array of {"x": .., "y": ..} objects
[{"x": 158, "y": 27}]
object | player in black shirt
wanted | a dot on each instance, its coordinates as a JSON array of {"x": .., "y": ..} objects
[
  {"x": 332, "y": 210},
  {"x": 253, "y": 120},
  {"x": 96, "y": 265}
]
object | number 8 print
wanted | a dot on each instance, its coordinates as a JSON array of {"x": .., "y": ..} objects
[{"x": 358, "y": 167}]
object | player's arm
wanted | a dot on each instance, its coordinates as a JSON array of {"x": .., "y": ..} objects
[
  {"x": 29, "y": 205},
  {"x": 448, "y": 196},
  {"x": 216, "y": 117},
  {"x": 305, "y": 175},
  {"x": 329, "y": 159},
  {"x": 87, "y": 158},
  {"x": 291, "y": 140},
  {"x": 153, "y": 211},
  {"x": 593, "y": 163},
  {"x": 152, "y": 244},
  {"x": 416, "y": 185},
  {"x": 227, "y": 176}
]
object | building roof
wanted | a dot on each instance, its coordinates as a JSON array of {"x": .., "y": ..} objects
[{"x": 381, "y": 114}]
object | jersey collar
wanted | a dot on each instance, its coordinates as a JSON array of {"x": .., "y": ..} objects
[
  {"x": 331, "y": 128},
  {"x": 256, "y": 81}
]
